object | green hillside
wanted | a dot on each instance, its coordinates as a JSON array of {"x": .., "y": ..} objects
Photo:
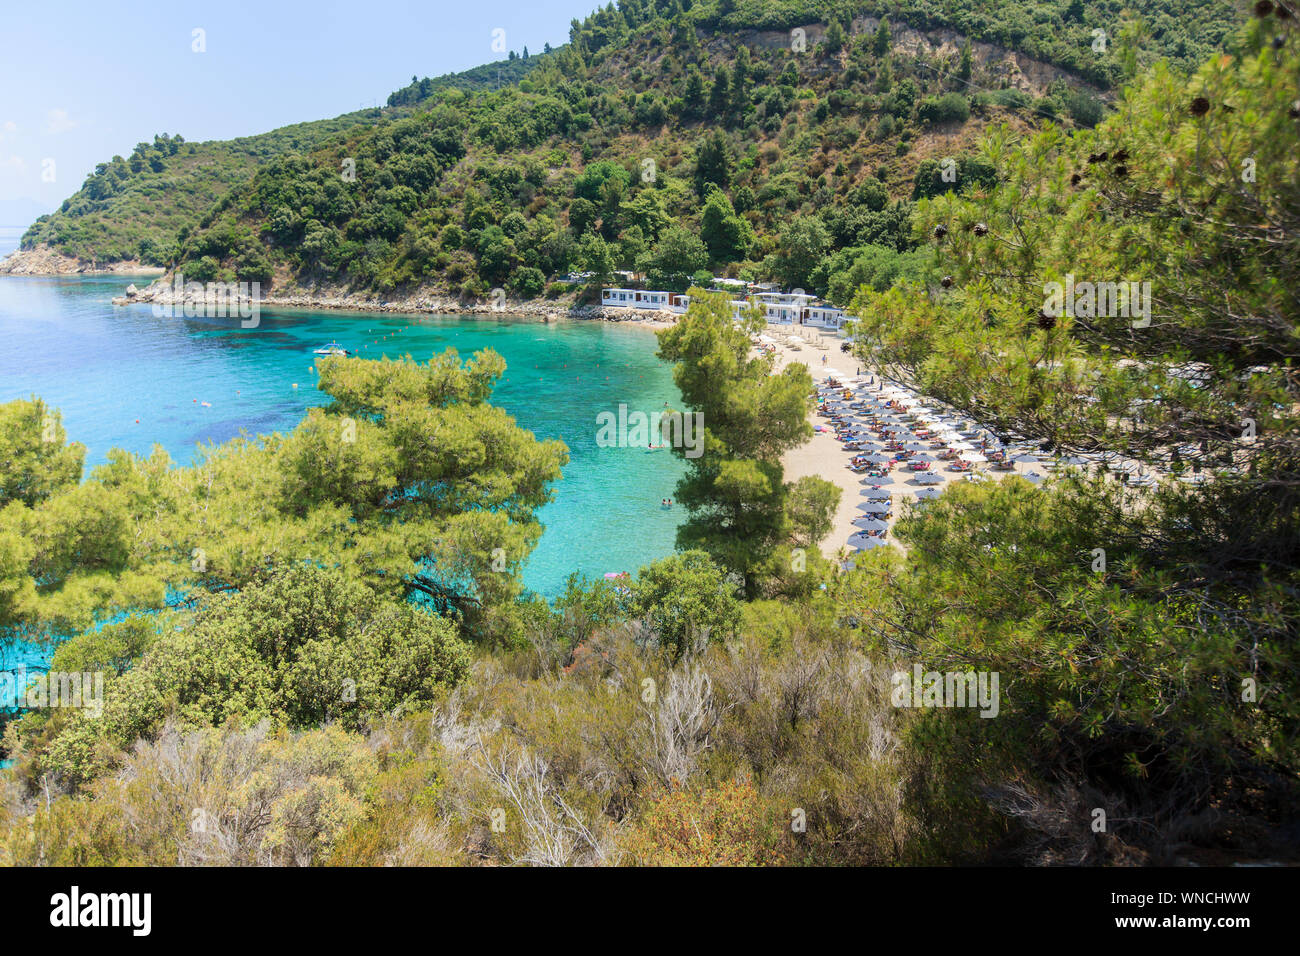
[
  {"x": 642, "y": 55},
  {"x": 646, "y": 143},
  {"x": 135, "y": 208}
]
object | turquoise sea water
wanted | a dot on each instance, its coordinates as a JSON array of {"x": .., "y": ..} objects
[{"x": 127, "y": 379}]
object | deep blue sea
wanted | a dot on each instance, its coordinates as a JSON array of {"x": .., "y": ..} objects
[{"x": 124, "y": 378}]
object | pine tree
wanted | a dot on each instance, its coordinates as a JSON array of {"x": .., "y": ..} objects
[
  {"x": 740, "y": 83},
  {"x": 880, "y": 45},
  {"x": 834, "y": 41},
  {"x": 720, "y": 96},
  {"x": 693, "y": 95}
]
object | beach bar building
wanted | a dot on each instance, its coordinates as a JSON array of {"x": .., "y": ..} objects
[{"x": 635, "y": 299}]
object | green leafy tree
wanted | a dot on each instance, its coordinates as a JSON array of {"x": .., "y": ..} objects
[
  {"x": 713, "y": 164},
  {"x": 693, "y": 99},
  {"x": 726, "y": 234},
  {"x": 687, "y": 602},
  {"x": 740, "y": 70},
  {"x": 833, "y": 42},
  {"x": 881, "y": 41},
  {"x": 719, "y": 95},
  {"x": 35, "y": 459},
  {"x": 674, "y": 260},
  {"x": 595, "y": 256},
  {"x": 734, "y": 490},
  {"x": 582, "y": 216},
  {"x": 409, "y": 481},
  {"x": 803, "y": 244}
]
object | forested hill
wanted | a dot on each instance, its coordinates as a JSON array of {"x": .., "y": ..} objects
[
  {"x": 852, "y": 112},
  {"x": 1059, "y": 32},
  {"x": 140, "y": 207},
  {"x": 135, "y": 208},
  {"x": 651, "y": 142}
]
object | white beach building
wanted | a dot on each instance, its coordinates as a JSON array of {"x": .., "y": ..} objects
[
  {"x": 825, "y": 317},
  {"x": 618, "y": 298},
  {"x": 635, "y": 299},
  {"x": 780, "y": 308}
]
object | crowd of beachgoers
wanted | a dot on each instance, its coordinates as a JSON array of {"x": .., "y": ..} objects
[{"x": 885, "y": 445}]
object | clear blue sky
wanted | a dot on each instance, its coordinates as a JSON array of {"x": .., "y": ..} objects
[{"x": 87, "y": 80}]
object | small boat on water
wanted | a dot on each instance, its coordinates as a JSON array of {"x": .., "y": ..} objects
[{"x": 333, "y": 348}]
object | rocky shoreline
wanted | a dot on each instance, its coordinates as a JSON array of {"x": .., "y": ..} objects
[
  {"x": 44, "y": 261},
  {"x": 163, "y": 292}
]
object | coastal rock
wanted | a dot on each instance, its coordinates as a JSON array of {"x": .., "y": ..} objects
[{"x": 44, "y": 261}]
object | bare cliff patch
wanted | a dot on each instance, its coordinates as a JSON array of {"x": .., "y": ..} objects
[{"x": 45, "y": 261}]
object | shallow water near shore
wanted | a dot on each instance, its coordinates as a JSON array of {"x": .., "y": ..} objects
[{"x": 125, "y": 378}]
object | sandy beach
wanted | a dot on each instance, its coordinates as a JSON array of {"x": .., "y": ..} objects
[{"x": 824, "y": 455}]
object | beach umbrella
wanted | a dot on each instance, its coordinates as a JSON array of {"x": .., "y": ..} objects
[
  {"x": 974, "y": 457},
  {"x": 927, "y": 493},
  {"x": 1026, "y": 459},
  {"x": 927, "y": 478},
  {"x": 875, "y": 508},
  {"x": 871, "y": 524},
  {"x": 1033, "y": 477},
  {"x": 868, "y": 544}
]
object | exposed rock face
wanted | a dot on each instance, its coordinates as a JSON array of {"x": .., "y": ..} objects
[
  {"x": 998, "y": 63},
  {"x": 44, "y": 261}
]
